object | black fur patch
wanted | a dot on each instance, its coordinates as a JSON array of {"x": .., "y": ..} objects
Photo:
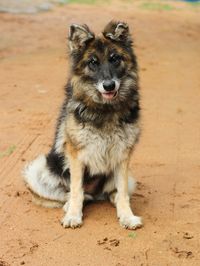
[
  {"x": 132, "y": 115},
  {"x": 98, "y": 45},
  {"x": 96, "y": 116},
  {"x": 55, "y": 164},
  {"x": 69, "y": 93}
]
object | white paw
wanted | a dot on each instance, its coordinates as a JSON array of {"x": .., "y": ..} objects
[
  {"x": 130, "y": 222},
  {"x": 72, "y": 221}
]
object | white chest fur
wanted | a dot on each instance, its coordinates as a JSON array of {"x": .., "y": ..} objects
[{"x": 103, "y": 149}]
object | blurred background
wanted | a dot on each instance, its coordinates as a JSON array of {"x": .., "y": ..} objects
[{"x": 34, "y": 6}]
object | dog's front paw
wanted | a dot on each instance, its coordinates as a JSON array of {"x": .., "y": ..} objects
[
  {"x": 72, "y": 221},
  {"x": 130, "y": 222}
]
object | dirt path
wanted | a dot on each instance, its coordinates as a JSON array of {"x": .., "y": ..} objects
[{"x": 33, "y": 69}]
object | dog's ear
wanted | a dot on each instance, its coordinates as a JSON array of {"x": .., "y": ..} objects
[
  {"x": 79, "y": 36},
  {"x": 118, "y": 31}
]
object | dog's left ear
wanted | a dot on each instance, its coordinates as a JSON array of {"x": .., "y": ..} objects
[
  {"x": 79, "y": 36},
  {"x": 118, "y": 31}
]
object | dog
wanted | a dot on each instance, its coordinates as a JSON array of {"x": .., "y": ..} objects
[{"x": 97, "y": 129}]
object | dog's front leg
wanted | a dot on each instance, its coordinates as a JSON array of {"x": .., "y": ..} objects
[
  {"x": 73, "y": 208},
  {"x": 126, "y": 217}
]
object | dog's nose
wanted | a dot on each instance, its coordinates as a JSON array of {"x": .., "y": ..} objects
[{"x": 109, "y": 85}]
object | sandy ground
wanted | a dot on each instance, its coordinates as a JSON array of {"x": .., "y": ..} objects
[{"x": 166, "y": 163}]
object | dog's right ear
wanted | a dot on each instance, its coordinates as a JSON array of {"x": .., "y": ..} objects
[{"x": 79, "y": 36}]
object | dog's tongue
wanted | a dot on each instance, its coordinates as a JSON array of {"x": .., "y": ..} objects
[{"x": 108, "y": 95}]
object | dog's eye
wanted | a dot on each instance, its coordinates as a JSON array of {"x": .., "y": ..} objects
[
  {"x": 115, "y": 59},
  {"x": 93, "y": 63}
]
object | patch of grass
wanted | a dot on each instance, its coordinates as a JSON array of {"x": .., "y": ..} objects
[
  {"x": 156, "y": 6},
  {"x": 194, "y": 4},
  {"x": 8, "y": 152},
  {"x": 132, "y": 235}
]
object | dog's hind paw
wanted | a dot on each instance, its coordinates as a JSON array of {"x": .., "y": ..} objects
[
  {"x": 71, "y": 221},
  {"x": 130, "y": 222}
]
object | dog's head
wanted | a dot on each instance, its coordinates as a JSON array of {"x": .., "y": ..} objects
[{"x": 104, "y": 68}]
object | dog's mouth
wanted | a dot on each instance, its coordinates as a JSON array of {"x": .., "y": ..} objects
[{"x": 109, "y": 95}]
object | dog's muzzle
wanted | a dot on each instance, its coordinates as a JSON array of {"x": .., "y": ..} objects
[{"x": 108, "y": 88}]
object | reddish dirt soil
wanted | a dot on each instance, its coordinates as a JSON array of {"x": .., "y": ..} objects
[{"x": 166, "y": 162}]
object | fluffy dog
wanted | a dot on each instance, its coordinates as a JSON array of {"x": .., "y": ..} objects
[{"x": 96, "y": 131}]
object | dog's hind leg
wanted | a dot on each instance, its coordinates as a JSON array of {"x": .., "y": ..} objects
[{"x": 45, "y": 184}]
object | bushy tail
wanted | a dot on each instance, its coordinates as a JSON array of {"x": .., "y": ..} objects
[{"x": 47, "y": 188}]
